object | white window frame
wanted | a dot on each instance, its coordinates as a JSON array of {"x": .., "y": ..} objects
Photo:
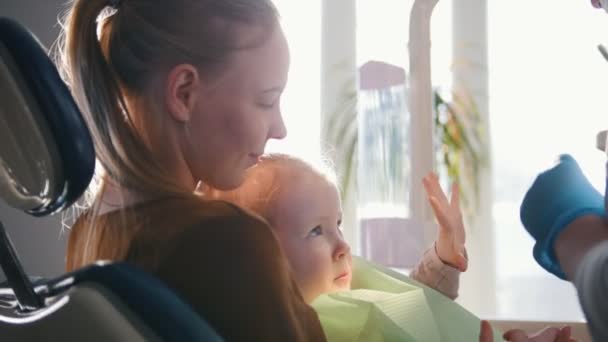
[{"x": 470, "y": 43}]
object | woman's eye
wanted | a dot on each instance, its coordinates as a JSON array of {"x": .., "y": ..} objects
[
  {"x": 316, "y": 231},
  {"x": 268, "y": 102},
  {"x": 266, "y": 105}
]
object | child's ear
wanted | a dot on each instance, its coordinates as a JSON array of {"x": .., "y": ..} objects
[{"x": 181, "y": 92}]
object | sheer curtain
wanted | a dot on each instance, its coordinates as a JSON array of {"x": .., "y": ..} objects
[
  {"x": 300, "y": 103},
  {"x": 382, "y": 56},
  {"x": 547, "y": 97}
]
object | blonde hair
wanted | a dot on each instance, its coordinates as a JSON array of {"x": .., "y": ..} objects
[
  {"x": 268, "y": 178},
  {"x": 110, "y": 57}
]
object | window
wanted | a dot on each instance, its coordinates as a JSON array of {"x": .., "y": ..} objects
[
  {"x": 385, "y": 126},
  {"x": 300, "y": 103},
  {"x": 547, "y": 97}
]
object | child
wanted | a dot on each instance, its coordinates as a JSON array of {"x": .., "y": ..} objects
[{"x": 302, "y": 204}]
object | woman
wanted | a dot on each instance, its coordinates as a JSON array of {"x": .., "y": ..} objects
[{"x": 176, "y": 93}]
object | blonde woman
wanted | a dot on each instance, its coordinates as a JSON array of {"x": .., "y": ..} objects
[{"x": 176, "y": 93}]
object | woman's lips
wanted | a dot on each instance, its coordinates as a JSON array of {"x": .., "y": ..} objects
[{"x": 254, "y": 158}]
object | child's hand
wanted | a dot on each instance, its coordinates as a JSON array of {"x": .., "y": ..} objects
[{"x": 451, "y": 237}]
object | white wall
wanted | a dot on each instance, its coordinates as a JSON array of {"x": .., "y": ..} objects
[{"x": 39, "y": 242}]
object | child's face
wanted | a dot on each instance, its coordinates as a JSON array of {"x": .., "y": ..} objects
[{"x": 307, "y": 223}]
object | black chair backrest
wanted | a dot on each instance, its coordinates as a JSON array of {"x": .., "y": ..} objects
[
  {"x": 47, "y": 157},
  {"x": 46, "y": 162}
]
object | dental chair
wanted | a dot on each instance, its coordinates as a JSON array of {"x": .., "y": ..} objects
[{"x": 46, "y": 162}]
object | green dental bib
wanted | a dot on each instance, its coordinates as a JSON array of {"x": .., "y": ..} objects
[{"x": 385, "y": 305}]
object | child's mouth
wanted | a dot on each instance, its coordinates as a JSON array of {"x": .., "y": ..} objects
[{"x": 343, "y": 276}]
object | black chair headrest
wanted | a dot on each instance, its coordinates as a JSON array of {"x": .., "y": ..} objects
[{"x": 46, "y": 152}]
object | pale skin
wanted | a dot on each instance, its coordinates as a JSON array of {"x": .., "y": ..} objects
[
  {"x": 549, "y": 334},
  {"x": 450, "y": 241},
  {"x": 579, "y": 237},
  {"x": 307, "y": 223},
  {"x": 308, "y": 229},
  {"x": 212, "y": 126}
]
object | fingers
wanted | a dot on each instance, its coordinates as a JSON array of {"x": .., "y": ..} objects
[
  {"x": 450, "y": 226},
  {"x": 456, "y": 216},
  {"x": 485, "y": 334},
  {"x": 428, "y": 187},
  {"x": 549, "y": 334},
  {"x": 462, "y": 263},
  {"x": 455, "y": 196},
  {"x": 442, "y": 219},
  {"x": 433, "y": 189},
  {"x": 564, "y": 335},
  {"x": 452, "y": 235},
  {"x": 516, "y": 335}
]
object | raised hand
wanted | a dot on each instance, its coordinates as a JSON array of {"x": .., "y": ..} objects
[{"x": 451, "y": 237}]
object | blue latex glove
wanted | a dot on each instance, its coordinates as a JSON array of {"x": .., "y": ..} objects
[{"x": 557, "y": 197}]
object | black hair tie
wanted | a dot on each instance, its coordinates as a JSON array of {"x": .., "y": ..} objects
[{"x": 114, "y": 3}]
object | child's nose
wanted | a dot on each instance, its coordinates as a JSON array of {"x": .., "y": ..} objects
[{"x": 342, "y": 249}]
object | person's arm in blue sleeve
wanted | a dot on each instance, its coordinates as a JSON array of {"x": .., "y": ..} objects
[
  {"x": 567, "y": 218},
  {"x": 558, "y": 197},
  {"x": 582, "y": 250}
]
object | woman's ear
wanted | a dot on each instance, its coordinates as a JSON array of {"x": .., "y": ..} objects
[{"x": 183, "y": 83}]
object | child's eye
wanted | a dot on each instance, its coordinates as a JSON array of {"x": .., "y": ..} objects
[{"x": 316, "y": 231}]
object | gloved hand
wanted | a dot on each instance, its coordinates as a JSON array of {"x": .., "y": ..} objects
[{"x": 557, "y": 197}]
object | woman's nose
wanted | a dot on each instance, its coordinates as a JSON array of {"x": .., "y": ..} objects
[{"x": 278, "y": 130}]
